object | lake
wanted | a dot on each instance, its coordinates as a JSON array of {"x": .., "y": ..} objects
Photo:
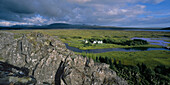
[{"x": 147, "y": 30}]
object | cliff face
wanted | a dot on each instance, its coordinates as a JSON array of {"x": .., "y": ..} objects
[{"x": 41, "y": 59}]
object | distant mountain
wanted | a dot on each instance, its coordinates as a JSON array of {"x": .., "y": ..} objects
[
  {"x": 20, "y": 26},
  {"x": 167, "y": 28},
  {"x": 59, "y": 24},
  {"x": 67, "y": 26}
]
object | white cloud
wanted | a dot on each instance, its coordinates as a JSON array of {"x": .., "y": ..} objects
[
  {"x": 153, "y": 1},
  {"x": 158, "y": 1},
  {"x": 36, "y": 20},
  {"x": 8, "y": 23},
  {"x": 80, "y": 1}
]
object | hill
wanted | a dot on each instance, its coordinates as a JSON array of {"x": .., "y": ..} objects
[{"x": 168, "y": 28}]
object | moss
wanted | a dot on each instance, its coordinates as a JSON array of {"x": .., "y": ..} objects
[
  {"x": 16, "y": 36},
  {"x": 22, "y": 80},
  {"x": 1, "y": 59},
  {"x": 73, "y": 57}
]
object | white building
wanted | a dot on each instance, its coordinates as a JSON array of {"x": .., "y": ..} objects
[
  {"x": 100, "y": 42},
  {"x": 97, "y": 42},
  {"x": 94, "y": 42},
  {"x": 86, "y": 41}
]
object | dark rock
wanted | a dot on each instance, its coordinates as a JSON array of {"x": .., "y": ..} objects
[
  {"x": 47, "y": 60},
  {"x": 10, "y": 74}
]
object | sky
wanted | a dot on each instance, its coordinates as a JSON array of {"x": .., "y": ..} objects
[{"x": 122, "y": 13}]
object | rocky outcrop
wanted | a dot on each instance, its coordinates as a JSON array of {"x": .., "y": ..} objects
[{"x": 50, "y": 63}]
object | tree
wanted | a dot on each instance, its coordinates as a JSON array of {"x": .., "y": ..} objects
[
  {"x": 110, "y": 62},
  {"x": 97, "y": 59},
  {"x": 142, "y": 68},
  {"x": 106, "y": 60},
  {"x": 149, "y": 75},
  {"x": 115, "y": 63},
  {"x": 101, "y": 59},
  {"x": 119, "y": 65}
]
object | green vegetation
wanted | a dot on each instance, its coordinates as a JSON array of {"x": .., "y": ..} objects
[
  {"x": 71, "y": 33},
  {"x": 168, "y": 44},
  {"x": 139, "y": 74},
  {"x": 167, "y": 40},
  {"x": 17, "y": 36},
  {"x": 150, "y": 58},
  {"x": 138, "y": 68}
]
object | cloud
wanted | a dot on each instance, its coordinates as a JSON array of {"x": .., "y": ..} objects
[
  {"x": 10, "y": 23},
  {"x": 80, "y": 1},
  {"x": 153, "y": 1},
  {"x": 100, "y": 12},
  {"x": 36, "y": 19}
]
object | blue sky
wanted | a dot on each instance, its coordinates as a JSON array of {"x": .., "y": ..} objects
[{"x": 124, "y": 13}]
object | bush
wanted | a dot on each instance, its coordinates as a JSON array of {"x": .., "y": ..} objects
[{"x": 135, "y": 42}]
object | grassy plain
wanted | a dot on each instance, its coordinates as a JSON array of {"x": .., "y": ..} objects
[
  {"x": 150, "y": 58},
  {"x": 74, "y": 38}
]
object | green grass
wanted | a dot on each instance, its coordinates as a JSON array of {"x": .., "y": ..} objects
[
  {"x": 17, "y": 36},
  {"x": 98, "y": 33},
  {"x": 150, "y": 58},
  {"x": 167, "y": 40},
  {"x": 168, "y": 44}
]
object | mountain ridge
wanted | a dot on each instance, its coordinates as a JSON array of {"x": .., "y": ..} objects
[{"x": 69, "y": 26}]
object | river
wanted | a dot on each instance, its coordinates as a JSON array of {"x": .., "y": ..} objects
[{"x": 113, "y": 49}]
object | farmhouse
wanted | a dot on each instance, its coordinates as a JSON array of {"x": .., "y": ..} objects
[
  {"x": 86, "y": 41},
  {"x": 97, "y": 42},
  {"x": 93, "y": 42}
]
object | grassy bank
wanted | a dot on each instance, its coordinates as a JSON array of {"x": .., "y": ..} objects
[{"x": 150, "y": 58}]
